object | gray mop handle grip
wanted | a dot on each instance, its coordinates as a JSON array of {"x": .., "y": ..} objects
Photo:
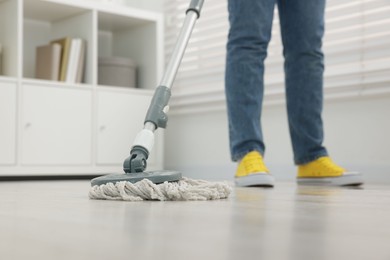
[
  {"x": 156, "y": 114},
  {"x": 196, "y": 6}
]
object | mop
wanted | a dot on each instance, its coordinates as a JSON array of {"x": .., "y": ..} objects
[{"x": 136, "y": 184}]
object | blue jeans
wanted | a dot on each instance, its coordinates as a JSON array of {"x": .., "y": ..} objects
[{"x": 302, "y": 29}]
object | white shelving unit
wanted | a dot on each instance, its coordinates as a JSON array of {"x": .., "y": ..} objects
[{"x": 50, "y": 127}]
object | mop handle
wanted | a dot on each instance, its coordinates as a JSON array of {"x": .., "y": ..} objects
[
  {"x": 193, "y": 13},
  {"x": 156, "y": 116}
]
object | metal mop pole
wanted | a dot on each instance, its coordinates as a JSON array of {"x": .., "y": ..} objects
[{"x": 156, "y": 116}]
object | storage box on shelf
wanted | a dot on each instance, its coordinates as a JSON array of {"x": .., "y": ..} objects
[
  {"x": 52, "y": 127},
  {"x": 116, "y": 71}
]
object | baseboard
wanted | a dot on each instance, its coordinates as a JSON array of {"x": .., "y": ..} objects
[{"x": 46, "y": 177}]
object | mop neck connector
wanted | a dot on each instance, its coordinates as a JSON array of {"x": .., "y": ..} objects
[{"x": 157, "y": 110}]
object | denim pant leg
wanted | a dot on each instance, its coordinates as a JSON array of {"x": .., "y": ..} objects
[
  {"x": 249, "y": 35},
  {"x": 302, "y": 27}
]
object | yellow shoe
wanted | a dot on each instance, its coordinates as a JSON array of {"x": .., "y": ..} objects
[
  {"x": 324, "y": 171},
  {"x": 251, "y": 171}
]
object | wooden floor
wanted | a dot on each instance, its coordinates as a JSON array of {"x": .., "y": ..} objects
[{"x": 56, "y": 220}]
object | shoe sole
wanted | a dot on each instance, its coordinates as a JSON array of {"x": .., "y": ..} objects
[
  {"x": 255, "y": 180},
  {"x": 348, "y": 179}
]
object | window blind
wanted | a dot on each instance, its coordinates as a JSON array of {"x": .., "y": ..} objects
[{"x": 356, "y": 47}]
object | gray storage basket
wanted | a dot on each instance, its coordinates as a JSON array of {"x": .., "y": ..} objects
[{"x": 116, "y": 71}]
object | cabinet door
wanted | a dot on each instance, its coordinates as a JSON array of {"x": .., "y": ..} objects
[
  {"x": 57, "y": 126},
  {"x": 7, "y": 123},
  {"x": 120, "y": 118}
]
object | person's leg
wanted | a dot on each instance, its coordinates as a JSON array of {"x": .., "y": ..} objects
[
  {"x": 302, "y": 28},
  {"x": 249, "y": 35}
]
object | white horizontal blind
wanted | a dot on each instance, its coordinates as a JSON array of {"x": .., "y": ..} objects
[{"x": 356, "y": 46}]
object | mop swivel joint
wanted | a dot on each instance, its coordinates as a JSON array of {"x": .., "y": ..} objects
[
  {"x": 136, "y": 162},
  {"x": 139, "y": 153}
]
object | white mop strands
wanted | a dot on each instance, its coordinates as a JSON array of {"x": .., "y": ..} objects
[{"x": 184, "y": 189}]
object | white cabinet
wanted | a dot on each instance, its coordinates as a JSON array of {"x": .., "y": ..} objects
[
  {"x": 56, "y": 126},
  {"x": 120, "y": 118},
  {"x": 7, "y": 123},
  {"x": 51, "y": 127}
]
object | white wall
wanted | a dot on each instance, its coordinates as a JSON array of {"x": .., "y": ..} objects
[{"x": 356, "y": 135}]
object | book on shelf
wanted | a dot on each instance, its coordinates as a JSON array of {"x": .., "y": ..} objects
[
  {"x": 72, "y": 59},
  {"x": 65, "y": 43},
  {"x": 47, "y": 62},
  {"x": 1, "y": 59},
  {"x": 76, "y": 61},
  {"x": 81, "y": 64}
]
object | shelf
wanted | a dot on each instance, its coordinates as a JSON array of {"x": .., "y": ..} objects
[
  {"x": 114, "y": 22},
  {"x": 49, "y": 11},
  {"x": 55, "y": 84},
  {"x": 120, "y": 36},
  {"x": 8, "y": 79},
  {"x": 46, "y": 21},
  {"x": 82, "y": 123}
]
